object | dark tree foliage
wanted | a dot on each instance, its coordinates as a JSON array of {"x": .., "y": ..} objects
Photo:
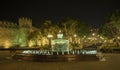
[{"x": 111, "y": 29}]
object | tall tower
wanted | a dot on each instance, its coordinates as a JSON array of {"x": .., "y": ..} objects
[
  {"x": 25, "y": 25},
  {"x": 25, "y": 22}
]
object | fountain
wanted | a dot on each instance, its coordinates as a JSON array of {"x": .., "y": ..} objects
[{"x": 59, "y": 51}]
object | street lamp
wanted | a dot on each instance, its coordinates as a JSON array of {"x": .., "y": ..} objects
[
  {"x": 74, "y": 41},
  {"x": 75, "y": 35},
  {"x": 93, "y": 34},
  {"x": 75, "y": 38},
  {"x": 49, "y": 37}
]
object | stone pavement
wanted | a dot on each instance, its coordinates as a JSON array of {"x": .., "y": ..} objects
[{"x": 112, "y": 63}]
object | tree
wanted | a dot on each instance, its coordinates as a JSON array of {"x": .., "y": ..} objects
[
  {"x": 74, "y": 26},
  {"x": 35, "y": 35},
  {"x": 111, "y": 29}
]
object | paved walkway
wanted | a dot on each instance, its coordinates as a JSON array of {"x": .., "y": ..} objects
[{"x": 112, "y": 63}]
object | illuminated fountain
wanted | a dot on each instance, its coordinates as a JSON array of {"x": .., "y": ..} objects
[
  {"x": 60, "y": 44},
  {"x": 59, "y": 51}
]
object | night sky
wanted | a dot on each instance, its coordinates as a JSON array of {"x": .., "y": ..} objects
[{"x": 92, "y": 12}]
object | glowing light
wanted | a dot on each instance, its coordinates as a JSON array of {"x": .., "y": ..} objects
[
  {"x": 93, "y": 34},
  {"x": 84, "y": 36},
  {"x": 75, "y": 35},
  {"x": 89, "y": 38},
  {"x": 118, "y": 37},
  {"x": 50, "y": 36},
  {"x": 59, "y": 35},
  {"x": 101, "y": 37},
  {"x": 30, "y": 44},
  {"x": 7, "y": 44},
  {"x": 89, "y": 52}
]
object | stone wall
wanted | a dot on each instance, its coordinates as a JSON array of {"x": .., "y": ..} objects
[{"x": 13, "y": 34}]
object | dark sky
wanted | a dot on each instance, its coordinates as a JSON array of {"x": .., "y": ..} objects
[{"x": 92, "y": 12}]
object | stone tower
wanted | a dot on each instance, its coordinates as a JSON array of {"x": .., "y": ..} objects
[
  {"x": 25, "y": 22},
  {"x": 25, "y": 25}
]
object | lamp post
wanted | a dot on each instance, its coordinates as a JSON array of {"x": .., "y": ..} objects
[
  {"x": 49, "y": 38},
  {"x": 74, "y": 41},
  {"x": 75, "y": 38}
]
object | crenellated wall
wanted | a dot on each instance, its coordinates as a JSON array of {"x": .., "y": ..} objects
[
  {"x": 13, "y": 34},
  {"x": 25, "y": 22}
]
